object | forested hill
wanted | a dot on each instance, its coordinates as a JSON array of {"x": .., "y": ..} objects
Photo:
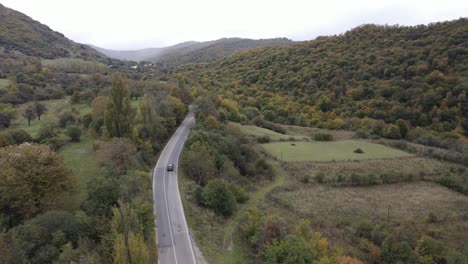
[
  {"x": 418, "y": 74},
  {"x": 20, "y": 33}
]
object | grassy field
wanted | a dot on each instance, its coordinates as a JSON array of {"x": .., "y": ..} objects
[
  {"x": 331, "y": 151},
  {"x": 335, "y": 211},
  {"x": 4, "y": 83},
  {"x": 260, "y": 132},
  {"x": 419, "y": 167},
  {"x": 54, "y": 109},
  {"x": 81, "y": 159}
]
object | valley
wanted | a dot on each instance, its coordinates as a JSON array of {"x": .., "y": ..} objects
[{"x": 346, "y": 149}]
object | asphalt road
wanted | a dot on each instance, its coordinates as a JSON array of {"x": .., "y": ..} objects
[{"x": 175, "y": 245}]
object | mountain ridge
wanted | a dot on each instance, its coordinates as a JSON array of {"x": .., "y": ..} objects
[{"x": 193, "y": 51}]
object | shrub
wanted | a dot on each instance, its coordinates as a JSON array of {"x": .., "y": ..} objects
[
  {"x": 392, "y": 132},
  {"x": 66, "y": 119},
  {"x": 323, "y": 136},
  {"x": 305, "y": 178},
  {"x": 6, "y": 140},
  {"x": 86, "y": 120},
  {"x": 46, "y": 131},
  {"x": 240, "y": 194},
  {"x": 5, "y": 120},
  {"x": 19, "y": 136},
  {"x": 320, "y": 177},
  {"x": 74, "y": 132},
  {"x": 358, "y": 151},
  {"x": 197, "y": 195},
  {"x": 54, "y": 143},
  {"x": 263, "y": 139},
  {"x": 361, "y": 134},
  {"x": 218, "y": 196}
]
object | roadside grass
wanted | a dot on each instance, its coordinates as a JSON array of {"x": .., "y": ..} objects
[
  {"x": 216, "y": 236},
  {"x": 4, "y": 83},
  {"x": 260, "y": 132},
  {"x": 334, "y": 210},
  {"x": 331, "y": 151}
]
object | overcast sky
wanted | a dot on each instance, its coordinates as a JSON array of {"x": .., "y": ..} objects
[{"x": 119, "y": 24}]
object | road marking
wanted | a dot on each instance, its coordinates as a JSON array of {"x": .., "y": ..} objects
[
  {"x": 180, "y": 201},
  {"x": 167, "y": 207},
  {"x": 170, "y": 146}
]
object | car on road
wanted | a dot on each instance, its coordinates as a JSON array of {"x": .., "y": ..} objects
[{"x": 170, "y": 167}]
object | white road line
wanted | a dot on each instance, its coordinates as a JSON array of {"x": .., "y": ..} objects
[
  {"x": 170, "y": 146},
  {"x": 167, "y": 208}
]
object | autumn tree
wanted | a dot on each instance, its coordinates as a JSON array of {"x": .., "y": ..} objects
[
  {"x": 98, "y": 107},
  {"x": 129, "y": 241},
  {"x": 119, "y": 112},
  {"x": 199, "y": 164},
  {"x": 39, "y": 109},
  {"x": 118, "y": 156},
  {"x": 403, "y": 126},
  {"x": 32, "y": 178},
  {"x": 29, "y": 114}
]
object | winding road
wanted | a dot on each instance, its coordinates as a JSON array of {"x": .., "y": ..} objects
[{"x": 175, "y": 244}]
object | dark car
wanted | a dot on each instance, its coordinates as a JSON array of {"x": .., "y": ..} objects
[{"x": 170, "y": 167}]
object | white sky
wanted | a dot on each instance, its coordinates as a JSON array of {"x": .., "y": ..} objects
[{"x": 119, "y": 24}]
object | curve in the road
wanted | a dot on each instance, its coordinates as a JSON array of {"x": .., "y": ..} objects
[{"x": 175, "y": 244}]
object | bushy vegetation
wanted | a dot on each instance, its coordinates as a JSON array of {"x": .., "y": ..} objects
[
  {"x": 273, "y": 241},
  {"x": 322, "y": 136}
]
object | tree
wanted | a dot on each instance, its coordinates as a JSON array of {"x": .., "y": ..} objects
[
  {"x": 4, "y": 120},
  {"x": 403, "y": 126},
  {"x": 324, "y": 103},
  {"x": 218, "y": 196},
  {"x": 29, "y": 114},
  {"x": 129, "y": 242},
  {"x": 291, "y": 250},
  {"x": 98, "y": 107},
  {"x": 33, "y": 178},
  {"x": 39, "y": 109},
  {"x": 199, "y": 164},
  {"x": 118, "y": 156},
  {"x": 119, "y": 113},
  {"x": 74, "y": 132},
  {"x": 392, "y": 132},
  {"x": 40, "y": 239},
  {"x": 12, "y": 89}
]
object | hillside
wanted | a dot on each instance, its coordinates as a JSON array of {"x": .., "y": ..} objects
[
  {"x": 417, "y": 74},
  {"x": 193, "y": 52},
  {"x": 20, "y": 33}
]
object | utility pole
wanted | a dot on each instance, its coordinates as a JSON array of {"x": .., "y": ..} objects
[{"x": 388, "y": 213}]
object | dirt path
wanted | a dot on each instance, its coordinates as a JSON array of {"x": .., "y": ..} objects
[{"x": 255, "y": 198}]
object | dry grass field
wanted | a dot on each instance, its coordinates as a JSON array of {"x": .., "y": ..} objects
[{"x": 336, "y": 211}]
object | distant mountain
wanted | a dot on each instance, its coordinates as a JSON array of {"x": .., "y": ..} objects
[
  {"x": 213, "y": 50},
  {"x": 193, "y": 52},
  {"x": 141, "y": 54},
  {"x": 22, "y": 34}
]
